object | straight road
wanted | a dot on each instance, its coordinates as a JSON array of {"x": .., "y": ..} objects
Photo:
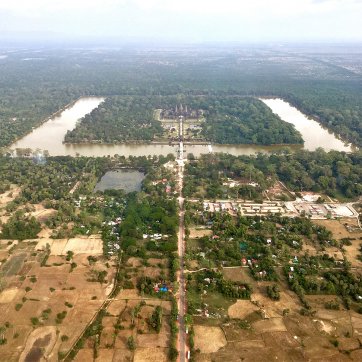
[{"x": 181, "y": 250}]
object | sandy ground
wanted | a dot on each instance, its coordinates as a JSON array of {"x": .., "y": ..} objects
[
  {"x": 209, "y": 339},
  {"x": 7, "y": 295},
  {"x": 41, "y": 213},
  {"x": 324, "y": 326},
  {"x": 5, "y": 198}
]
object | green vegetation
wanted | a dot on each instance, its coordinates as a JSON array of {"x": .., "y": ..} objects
[
  {"x": 18, "y": 306},
  {"x": 209, "y": 288},
  {"x": 118, "y": 119},
  {"x": 60, "y": 316},
  {"x": 228, "y": 120},
  {"x": 34, "y": 321},
  {"x": 20, "y": 227},
  {"x": 246, "y": 121},
  {"x": 156, "y": 319},
  {"x": 273, "y": 292},
  {"x": 335, "y": 173},
  {"x": 131, "y": 343},
  {"x": 33, "y": 90}
]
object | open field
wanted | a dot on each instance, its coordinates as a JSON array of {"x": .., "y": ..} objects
[
  {"x": 128, "y": 317},
  {"x": 209, "y": 339},
  {"x": 261, "y": 329},
  {"x": 199, "y": 233},
  {"x": 84, "y": 245},
  {"x": 46, "y": 307},
  {"x": 9, "y": 196},
  {"x": 337, "y": 227}
]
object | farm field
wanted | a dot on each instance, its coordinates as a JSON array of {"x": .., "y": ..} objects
[
  {"x": 255, "y": 288},
  {"x": 47, "y": 300}
]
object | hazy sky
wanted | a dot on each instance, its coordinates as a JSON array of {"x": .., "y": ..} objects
[{"x": 184, "y": 20}]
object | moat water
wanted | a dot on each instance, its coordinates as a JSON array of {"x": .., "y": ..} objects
[{"x": 50, "y": 135}]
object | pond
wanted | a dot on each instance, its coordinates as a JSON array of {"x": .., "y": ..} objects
[{"x": 122, "y": 179}]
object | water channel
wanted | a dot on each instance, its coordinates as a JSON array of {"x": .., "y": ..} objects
[{"x": 49, "y": 136}]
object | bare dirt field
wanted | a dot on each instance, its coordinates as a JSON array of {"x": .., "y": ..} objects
[
  {"x": 150, "y": 355},
  {"x": 270, "y": 325},
  {"x": 337, "y": 228},
  {"x": 39, "y": 343},
  {"x": 352, "y": 252},
  {"x": 89, "y": 246},
  {"x": 209, "y": 339},
  {"x": 41, "y": 213},
  {"x": 241, "y": 309},
  {"x": 238, "y": 274},
  {"x": 199, "y": 233},
  {"x": 42, "y": 303},
  {"x": 7, "y": 295},
  {"x": 9, "y": 196}
]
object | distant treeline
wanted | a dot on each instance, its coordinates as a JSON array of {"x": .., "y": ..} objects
[{"x": 34, "y": 89}]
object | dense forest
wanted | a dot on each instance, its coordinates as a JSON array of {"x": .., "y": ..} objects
[
  {"x": 118, "y": 119},
  {"x": 32, "y": 88},
  {"x": 233, "y": 120},
  {"x": 335, "y": 173},
  {"x": 230, "y": 120}
]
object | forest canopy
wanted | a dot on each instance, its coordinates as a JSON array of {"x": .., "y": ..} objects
[
  {"x": 228, "y": 120},
  {"x": 31, "y": 89}
]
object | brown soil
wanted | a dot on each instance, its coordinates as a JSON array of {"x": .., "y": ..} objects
[
  {"x": 39, "y": 344},
  {"x": 209, "y": 339},
  {"x": 199, "y": 233},
  {"x": 270, "y": 325},
  {"x": 151, "y": 355},
  {"x": 337, "y": 228},
  {"x": 241, "y": 309},
  {"x": 238, "y": 274}
]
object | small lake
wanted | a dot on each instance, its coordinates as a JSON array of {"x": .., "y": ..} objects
[
  {"x": 127, "y": 180},
  {"x": 50, "y": 135}
]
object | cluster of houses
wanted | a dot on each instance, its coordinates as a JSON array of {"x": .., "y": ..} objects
[
  {"x": 162, "y": 288},
  {"x": 247, "y": 208},
  {"x": 322, "y": 211},
  {"x": 164, "y": 181},
  {"x": 232, "y": 183},
  {"x": 154, "y": 237}
]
